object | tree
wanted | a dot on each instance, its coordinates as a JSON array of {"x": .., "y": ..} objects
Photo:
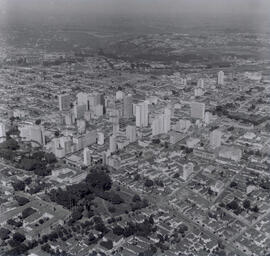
[
  {"x": 10, "y": 144},
  {"x": 99, "y": 180},
  {"x": 4, "y": 233},
  {"x": 21, "y": 200},
  {"x": 136, "y": 198},
  {"x": 18, "y": 237},
  {"x": 148, "y": 183},
  {"x": 27, "y": 212},
  {"x": 107, "y": 244},
  {"x": 233, "y": 205},
  {"x": 182, "y": 228},
  {"x": 255, "y": 208},
  {"x": 115, "y": 198},
  {"x": 38, "y": 122},
  {"x": 246, "y": 204},
  {"x": 50, "y": 158},
  {"x": 18, "y": 185},
  {"x": 117, "y": 230}
]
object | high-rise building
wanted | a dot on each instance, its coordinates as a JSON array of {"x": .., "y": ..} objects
[
  {"x": 112, "y": 144},
  {"x": 2, "y": 132},
  {"x": 220, "y": 78},
  {"x": 82, "y": 98},
  {"x": 182, "y": 125},
  {"x": 197, "y": 110},
  {"x": 167, "y": 120},
  {"x": 187, "y": 170},
  {"x": 158, "y": 125},
  {"x": 86, "y": 156},
  {"x": 215, "y": 138},
  {"x": 198, "y": 92},
  {"x": 33, "y": 133},
  {"x": 98, "y": 110},
  {"x": 100, "y": 140},
  {"x": 207, "y": 117},
  {"x": 200, "y": 83},
  {"x": 79, "y": 111},
  {"x": 142, "y": 114},
  {"x": 119, "y": 95},
  {"x": 90, "y": 100},
  {"x": 127, "y": 105},
  {"x": 162, "y": 123},
  {"x": 131, "y": 133},
  {"x": 69, "y": 118},
  {"x": 115, "y": 121},
  {"x": 81, "y": 126},
  {"x": 65, "y": 102}
]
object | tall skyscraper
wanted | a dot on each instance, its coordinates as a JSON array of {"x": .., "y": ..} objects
[
  {"x": 200, "y": 83},
  {"x": 197, "y": 110},
  {"x": 33, "y": 133},
  {"x": 220, "y": 78},
  {"x": 142, "y": 114},
  {"x": 215, "y": 138},
  {"x": 65, "y": 101},
  {"x": 79, "y": 111},
  {"x": 112, "y": 144},
  {"x": 86, "y": 156},
  {"x": 119, "y": 95},
  {"x": 115, "y": 125},
  {"x": 158, "y": 125},
  {"x": 162, "y": 123},
  {"x": 131, "y": 133},
  {"x": 2, "y": 132},
  {"x": 167, "y": 120},
  {"x": 127, "y": 105},
  {"x": 100, "y": 140}
]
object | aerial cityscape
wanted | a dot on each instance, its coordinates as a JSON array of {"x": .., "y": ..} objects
[{"x": 135, "y": 128}]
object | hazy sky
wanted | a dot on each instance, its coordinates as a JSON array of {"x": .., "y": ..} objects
[{"x": 25, "y": 9}]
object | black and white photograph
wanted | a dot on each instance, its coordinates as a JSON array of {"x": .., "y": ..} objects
[{"x": 134, "y": 127}]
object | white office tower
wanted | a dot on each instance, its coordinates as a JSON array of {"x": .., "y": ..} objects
[
  {"x": 115, "y": 125},
  {"x": 33, "y": 133},
  {"x": 220, "y": 78},
  {"x": 100, "y": 140},
  {"x": 167, "y": 120},
  {"x": 69, "y": 118},
  {"x": 128, "y": 107},
  {"x": 142, "y": 114},
  {"x": 187, "y": 170},
  {"x": 197, "y": 110},
  {"x": 90, "y": 100},
  {"x": 98, "y": 110},
  {"x": 2, "y": 132},
  {"x": 58, "y": 149},
  {"x": 158, "y": 125},
  {"x": 94, "y": 99},
  {"x": 198, "y": 92},
  {"x": 82, "y": 98},
  {"x": 65, "y": 101},
  {"x": 215, "y": 138},
  {"x": 207, "y": 117},
  {"x": 119, "y": 95},
  {"x": 182, "y": 125},
  {"x": 81, "y": 126},
  {"x": 37, "y": 134},
  {"x": 184, "y": 81},
  {"x": 131, "y": 133},
  {"x": 162, "y": 123},
  {"x": 200, "y": 83},
  {"x": 79, "y": 111},
  {"x": 112, "y": 144},
  {"x": 86, "y": 156}
]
